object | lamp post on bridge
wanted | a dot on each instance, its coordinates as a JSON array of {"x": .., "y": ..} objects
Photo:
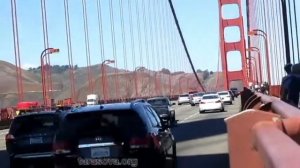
[
  {"x": 252, "y": 62},
  {"x": 44, "y": 87},
  {"x": 258, "y": 32},
  {"x": 255, "y": 49},
  {"x": 103, "y": 76},
  {"x": 136, "y": 79}
]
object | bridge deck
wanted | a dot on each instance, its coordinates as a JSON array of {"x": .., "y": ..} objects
[{"x": 201, "y": 138}]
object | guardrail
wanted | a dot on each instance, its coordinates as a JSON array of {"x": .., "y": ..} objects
[{"x": 265, "y": 134}]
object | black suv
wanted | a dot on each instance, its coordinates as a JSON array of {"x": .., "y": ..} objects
[
  {"x": 162, "y": 106},
  {"x": 127, "y": 134},
  {"x": 30, "y": 138}
]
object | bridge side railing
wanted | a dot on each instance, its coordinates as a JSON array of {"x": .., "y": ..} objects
[{"x": 265, "y": 134}]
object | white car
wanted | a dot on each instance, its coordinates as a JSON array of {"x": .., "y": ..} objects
[
  {"x": 184, "y": 98},
  {"x": 210, "y": 102},
  {"x": 225, "y": 97},
  {"x": 195, "y": 98}
]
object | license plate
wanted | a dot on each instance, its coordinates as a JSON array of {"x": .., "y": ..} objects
[
  {"x": 100, "y": 152},
  {"x": 36, "y": 140}
]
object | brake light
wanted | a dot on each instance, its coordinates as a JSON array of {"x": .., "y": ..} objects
[
  {"x": 219, "y": 101},
  {"x": 9, "y": 137},
  {"x": 61, "y": 147},
  {"x": 140, "y": 142}
]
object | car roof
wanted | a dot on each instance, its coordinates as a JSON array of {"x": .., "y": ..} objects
[
  {"x": 225, "y": 91},
  {"x": 157, "y": 98},
  {"x": 36, "y": 114},
  {"x": 210, "y": 95},
  {"x": 111, "y": 106}
]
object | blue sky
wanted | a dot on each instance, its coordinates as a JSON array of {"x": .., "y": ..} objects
[{"x": 199, "y": 21}]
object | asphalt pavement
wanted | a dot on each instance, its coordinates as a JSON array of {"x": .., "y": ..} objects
[{"x": 201, "y": 138}]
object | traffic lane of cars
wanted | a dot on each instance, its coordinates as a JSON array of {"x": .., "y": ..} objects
[
  {"x": 202, "y": 139},
  {"x": 184, "y": 113}
]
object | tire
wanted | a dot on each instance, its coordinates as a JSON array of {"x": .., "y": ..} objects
[
  {"x": 192, "y": 104},
  {"x": 179, "y": 104},
  {"x": 230, "y": 103},
  {"x": 201, "y": 111}
]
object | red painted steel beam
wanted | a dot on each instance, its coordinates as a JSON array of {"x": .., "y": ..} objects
[
  {"x": 276, "y": 148},
  {"x": 234, "y": 46}
]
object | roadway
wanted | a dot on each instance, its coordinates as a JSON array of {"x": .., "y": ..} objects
[{"x": 201, "y": 138}]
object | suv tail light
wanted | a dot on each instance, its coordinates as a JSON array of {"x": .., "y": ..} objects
[
  {"x": 140, "y": 142},
  {"x": 61, "y": 147},
  {"x": 219, "y": 101},
  {"x": 9, "y": 137}
]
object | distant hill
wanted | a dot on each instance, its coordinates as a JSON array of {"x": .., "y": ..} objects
[{"x": 126, "y": 88}]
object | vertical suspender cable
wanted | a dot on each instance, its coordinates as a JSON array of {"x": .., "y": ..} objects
[
  {"x": 87, "y": 47},
  {"x": 102, "y": 50},
  {"x": 137, "y": 12},
  {"x": 152, "y": 47},
  {"x": 69, "y": 46},
  {"x": 123, "y": 40},
  {"x": 183, "y": 42},
  {"x": 17, "y": 50},
  {"x": 146, "y": 42},
  {"x": 131, "y": 37},
  {"x": 291, "y": 29},
  {"x": 280, "y": 44},
  {"x": 113, "y": 40},
  {"x": 296, "y": 28},
  {"x": 274, "y": 41}
]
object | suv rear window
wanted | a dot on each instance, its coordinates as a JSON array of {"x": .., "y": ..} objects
[
  {"x": 34, "y": 124},
  {"x": 154, "y": 102},
  {"x": 223, "y": 93},
  {"x": 124, "y": 122},
  {"x": 210, "y": 97}
]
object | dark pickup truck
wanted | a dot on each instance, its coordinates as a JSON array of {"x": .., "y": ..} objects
[{"x": 162, "y": 105}]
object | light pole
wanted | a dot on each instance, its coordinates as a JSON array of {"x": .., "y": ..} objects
[
  {"x": 136, "y": 79},
  {"x": 44, "y": 87},
  {"x": 103, "y": 76},
  {"x": 255, "y": 49},
  {"x": 258, "y": 32},
  {"x": 252, "y": 68}
]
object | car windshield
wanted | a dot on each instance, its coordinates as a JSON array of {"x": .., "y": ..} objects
[
  {"x": 34, "y": 124},
  {"x": 155, "y": 102},
  {"x": 105, "y": 122},
  {"x": 223, "y": 93},
  {"x": 210, "y": 97}
]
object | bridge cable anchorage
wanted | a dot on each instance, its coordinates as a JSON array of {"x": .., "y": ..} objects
[
  {"x": 184, "y": 44},
  {"x": 296, "y": 28},
  {"x": 114, "y": 48},
  {"x": 69, "y": 46},
  {"x": 102, "y": 50}
]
